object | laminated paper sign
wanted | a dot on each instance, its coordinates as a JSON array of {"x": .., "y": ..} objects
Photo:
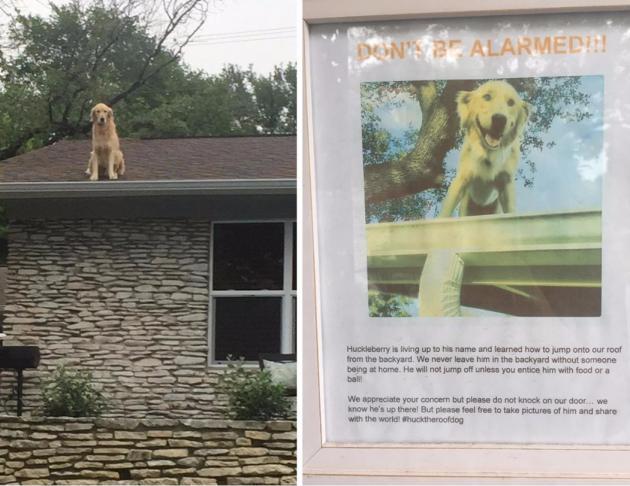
[{"x": 472, "y": 193}]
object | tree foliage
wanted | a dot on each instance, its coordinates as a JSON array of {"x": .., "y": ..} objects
[
  {"x": 388, "y": 305},
  {"x": 54, "y": 69},
  {"x": 406, "y": 175},
  {"x": 252, "y": 394}
]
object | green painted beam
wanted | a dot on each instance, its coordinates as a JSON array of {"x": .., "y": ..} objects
[
  {"x": 560, "y": 275},
  {"x": 496, "y": 233},
  {"x": 544, "y": 249}
]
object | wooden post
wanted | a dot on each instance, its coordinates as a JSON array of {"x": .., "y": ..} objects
[
  {"x": 440, "y": 284},
  {"x": 20, "y": 384}
]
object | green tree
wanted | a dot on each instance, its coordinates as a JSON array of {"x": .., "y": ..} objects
[
  {"x": 56, "y": 68},
  {"x": 191, "y": 103},
  {"x": 276, "y": 99},
  {"x": 388, "y": 305}
]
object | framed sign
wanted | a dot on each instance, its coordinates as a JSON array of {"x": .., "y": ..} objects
[{"x": 466, "y": 312}]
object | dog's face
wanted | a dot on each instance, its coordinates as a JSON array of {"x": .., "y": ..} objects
[
  {"x": 102, "y": 114},
  {"x": 495, "y": 111}
]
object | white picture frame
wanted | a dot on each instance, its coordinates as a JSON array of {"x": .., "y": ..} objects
[{"x": 325, "y": 463}]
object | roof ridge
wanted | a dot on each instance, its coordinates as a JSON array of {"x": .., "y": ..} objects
[{"x": 188, "y": 137}]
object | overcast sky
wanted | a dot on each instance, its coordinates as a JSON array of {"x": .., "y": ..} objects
[
  {"x": 258, "y": 32},
  {"x": 242, "y": 32}
]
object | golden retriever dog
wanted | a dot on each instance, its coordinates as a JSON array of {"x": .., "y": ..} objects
[
  {"x": 105, "y": 145},
  {"x": 493, "y": 118}
]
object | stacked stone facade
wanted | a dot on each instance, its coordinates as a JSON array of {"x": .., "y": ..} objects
[
  {"x": 149, "y": 451},
  {"x": 125, "y": 299}
]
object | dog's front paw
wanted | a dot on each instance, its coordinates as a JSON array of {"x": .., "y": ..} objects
[
  {"x": 113, "y": 176},
  {"x": 88, "y": 171},
  {"x": 94, "y": 177}
]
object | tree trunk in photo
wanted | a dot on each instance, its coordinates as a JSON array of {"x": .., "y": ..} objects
[{"x": 423, "y": 167}]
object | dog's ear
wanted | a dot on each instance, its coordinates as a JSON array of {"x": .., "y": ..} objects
[
  {"x": 523, "y": 116},
  {"x": 110, "y": 114},
  {"x": 463, "y": 107},
  {"x": 527, "y": 109},
  {"x": 93, "y": 114}
]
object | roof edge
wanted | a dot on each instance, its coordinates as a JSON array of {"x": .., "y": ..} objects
[
  {"x": 202, "y": 137},
  {"x": 32, "y": 190}
]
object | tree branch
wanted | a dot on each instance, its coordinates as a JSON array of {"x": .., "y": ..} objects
[
  {"x": 138, "y": 83},
  {"x": 176, "y": 18},
  {"x": 423, "y": 167},
  {"x": 98, "y": 57},
  {"x": 426, "y": 92},
  {"x": 7, "y": 7}
]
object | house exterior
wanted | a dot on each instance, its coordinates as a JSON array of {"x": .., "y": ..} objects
[{"x": 153, "y": 280}]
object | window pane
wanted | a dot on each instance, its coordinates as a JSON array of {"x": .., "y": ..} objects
[
  {"x": 246, "y": 326},
  {"x": 294, "y": 286},
  {"x": 294, "y": 324},
  {"x": 248, "y": 256}
]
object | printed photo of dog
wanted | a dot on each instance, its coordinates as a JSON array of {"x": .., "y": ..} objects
[
  {"x": 493, "y": 118},
  {"x": 106, "y": 151},
  {"x": 483, "y": 197}
]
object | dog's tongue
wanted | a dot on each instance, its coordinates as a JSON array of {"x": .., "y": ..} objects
[{"x": 493, "y": 142}]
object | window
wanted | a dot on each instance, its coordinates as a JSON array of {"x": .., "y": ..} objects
[{"x": 252, "y": 289}]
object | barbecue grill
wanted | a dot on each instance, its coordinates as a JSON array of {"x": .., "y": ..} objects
[{"x": 18, "y": 358}]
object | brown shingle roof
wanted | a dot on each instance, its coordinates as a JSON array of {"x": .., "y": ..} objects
[{"x": 263, "y": 157}]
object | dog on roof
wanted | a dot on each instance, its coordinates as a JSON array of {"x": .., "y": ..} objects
[
  {"x": 106, "y": 151},
  {"x": 493, "y": 119}
]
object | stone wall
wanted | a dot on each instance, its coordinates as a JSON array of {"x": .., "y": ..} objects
[
  {"x": 127, "y": 299},
  {"x": 149, "y": 451},
  {"x": 3, "y": 284}
]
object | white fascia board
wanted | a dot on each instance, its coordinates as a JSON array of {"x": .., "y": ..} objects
[{"x": 32, "y": 190}]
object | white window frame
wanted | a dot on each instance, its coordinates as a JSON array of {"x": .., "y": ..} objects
[
  {"x": 323, "y": 462},
  {"x": 287, "y": 294}
]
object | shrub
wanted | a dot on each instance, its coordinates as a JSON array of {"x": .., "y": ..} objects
[
  {"x": 71, "y": 393},
  {"x": 252, "y": 395}
]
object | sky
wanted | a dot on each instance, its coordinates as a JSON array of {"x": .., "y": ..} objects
[
  {"x": 243, "y": 32},
  {"x": 568, "y": 175}
]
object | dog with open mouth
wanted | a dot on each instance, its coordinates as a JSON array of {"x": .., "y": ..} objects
[{"x": 493, "y": 119}]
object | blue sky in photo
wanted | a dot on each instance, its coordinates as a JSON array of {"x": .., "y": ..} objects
[{"x": 568, "y": 175}]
